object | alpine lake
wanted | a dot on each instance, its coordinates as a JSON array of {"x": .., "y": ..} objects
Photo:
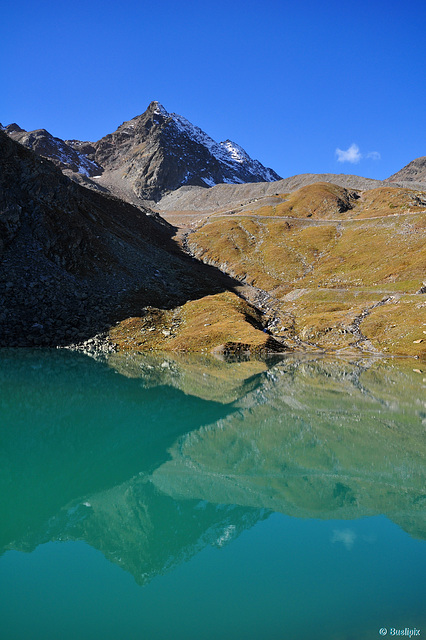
[{"x": 157, "y": 497}]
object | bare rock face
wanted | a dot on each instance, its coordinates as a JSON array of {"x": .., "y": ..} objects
[{"x": 414, "y": 171}]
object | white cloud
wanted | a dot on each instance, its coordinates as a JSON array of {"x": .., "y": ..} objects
[
  {"x": 346, "y": 536},
  {"x": 352, "y": 154},
  {"x": 374, "y": 155}
]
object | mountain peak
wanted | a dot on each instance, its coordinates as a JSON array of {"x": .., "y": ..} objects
[
  {"x": 157, "y": 108},
  {"x": 158, "y": 152}
]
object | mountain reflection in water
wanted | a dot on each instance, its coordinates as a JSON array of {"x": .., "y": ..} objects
[{"x": 151, "y": 458}]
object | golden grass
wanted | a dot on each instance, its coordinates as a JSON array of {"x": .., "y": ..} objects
[
  {"x": 219, "y": 323},
  {"x": 326, "y": 317},
  {"x": 398, "y": 327},
  {"x": 341, "y": 268},
  {"x": 352, "y": 253},
  {"x": 326, "y": 201},
  {"x": 321, "y": 200},
  {"x": 375, "y": 254},
  {"x": 386, "y": 201},
  {"x": 327, "y": 255}
]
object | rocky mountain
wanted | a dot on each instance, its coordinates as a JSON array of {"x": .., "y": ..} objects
[
  {"x": 413, "y": 171},
  {"x": 158, "y": 152},
  {"x": 150, "y": 155}
]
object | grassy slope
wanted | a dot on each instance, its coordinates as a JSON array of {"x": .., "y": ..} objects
[
  {"x": 329, "y": 255},
  {"x": 223, "y": 323}
]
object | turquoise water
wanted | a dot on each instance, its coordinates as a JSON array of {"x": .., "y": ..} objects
[{"x": 155, "y": 497}]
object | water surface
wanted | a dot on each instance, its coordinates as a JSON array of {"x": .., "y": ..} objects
[{"x": 184, "y": 497}]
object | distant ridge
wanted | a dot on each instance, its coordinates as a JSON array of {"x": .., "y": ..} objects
[
  {"x": 55, "y": 149},
  {"x": 220, "y": 196}
]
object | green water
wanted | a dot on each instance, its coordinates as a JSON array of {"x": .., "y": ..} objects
[{"x": 151, "y": 497}]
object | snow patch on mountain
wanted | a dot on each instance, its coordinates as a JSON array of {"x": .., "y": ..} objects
[
  {"x": 68, "y": 156},
  {"x": 55, "y": 149},
  {"x": 159, "y": 110},
  {"x": 209, "y": 181},
  {"x": 195, "y": 133},
  {"x": 236, "y": 152},
  {"x": 234, "y": 180}
]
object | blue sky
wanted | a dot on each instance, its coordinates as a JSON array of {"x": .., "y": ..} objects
[{"x": 291, "y": 82}]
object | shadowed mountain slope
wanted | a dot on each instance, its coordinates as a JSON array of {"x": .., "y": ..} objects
[
  {"x": 74, "y": 262},
  {"x": 71, "y": 258}
]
